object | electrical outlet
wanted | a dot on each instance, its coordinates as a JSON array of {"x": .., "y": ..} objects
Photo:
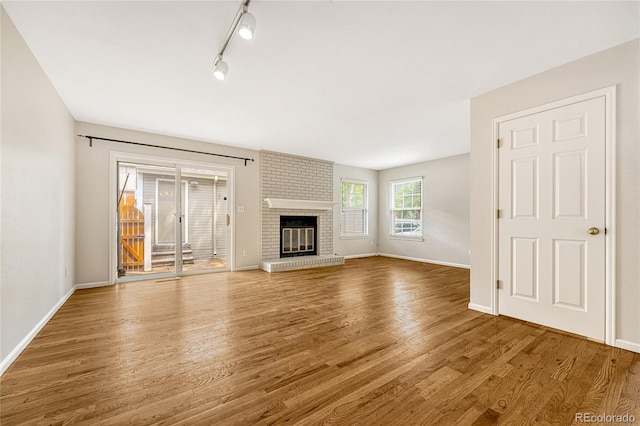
[
  {"x": 245, "y": 252},
  {"x": 240, "y": 209}
]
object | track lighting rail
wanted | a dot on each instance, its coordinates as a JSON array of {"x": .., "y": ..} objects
[
  {"x": 91, "y": 139},
  {"x": 247, "y": 22}
]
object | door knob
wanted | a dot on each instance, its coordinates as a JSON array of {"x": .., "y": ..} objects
[{"x": 594, "y": 231}]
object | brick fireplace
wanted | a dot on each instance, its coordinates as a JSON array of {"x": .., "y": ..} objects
[{"x": 304, "y": 188}]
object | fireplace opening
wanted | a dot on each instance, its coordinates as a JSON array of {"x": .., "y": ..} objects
[{"x": 298, "y": 236}]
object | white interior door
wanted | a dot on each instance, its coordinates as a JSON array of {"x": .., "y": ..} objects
[{"x": 551, "y": 230}]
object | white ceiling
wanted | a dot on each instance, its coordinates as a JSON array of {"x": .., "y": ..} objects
[{"x": 364, "y": 83}]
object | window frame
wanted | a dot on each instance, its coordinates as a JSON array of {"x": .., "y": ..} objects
[
  {"x": 364, "y": 209},
  {"x": 393, "y": 209}
]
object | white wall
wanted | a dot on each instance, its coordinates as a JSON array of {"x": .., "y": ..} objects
[
  {"x": 618, "y": 65},
  {"x": 446, "y": 211},
  {"x": 92, "y": 192},
  {"x": 356, "y": 246},
  {"x": 37, "y": 186}
]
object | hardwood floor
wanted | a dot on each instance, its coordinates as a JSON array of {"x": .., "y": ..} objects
[{"x": 378, "y": 341}]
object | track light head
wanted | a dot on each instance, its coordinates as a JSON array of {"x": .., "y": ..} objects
[
  {"x": 221, "y": 68},
  {"x": 247, "y": 25}
]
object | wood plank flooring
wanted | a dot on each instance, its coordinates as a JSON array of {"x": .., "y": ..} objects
[{"x": 377, "y": 341}]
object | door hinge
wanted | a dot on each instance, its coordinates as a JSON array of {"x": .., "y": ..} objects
[
  {"x": 499, "y": 214},
  {"x": 498, "y": 143},
  {"x": 498, "y": 284}
]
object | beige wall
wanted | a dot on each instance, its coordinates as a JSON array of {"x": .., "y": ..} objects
[
  {"x": 616, "y": 66},
  {"x": 92, "y": 193},
  {"x": 37, "y": 185},
  {"x": 357, "y": 246},
  {"x": 446, "y": 211}
]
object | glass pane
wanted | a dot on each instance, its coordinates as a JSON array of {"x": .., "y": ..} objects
[
  {"x": 310, "y": 239},
  {"x": 166, "y": 211},
  {"x": 286, "y": 240},
  {"x": 146, "y": 226},
  {"x": 353, "y": 194},
  {"x": 407, "y": 222},
  {"x": 204, "y": 210},
  {"x": 295, "y": 245},
  {"x": 303, "y": 240},
  {"x": 407, "y": 194}
]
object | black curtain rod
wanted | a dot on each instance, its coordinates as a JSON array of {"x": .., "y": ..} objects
[{"x": 91, "y": 138}]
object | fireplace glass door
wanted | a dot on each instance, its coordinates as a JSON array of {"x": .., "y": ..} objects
[{"x": 297, "y": 240}]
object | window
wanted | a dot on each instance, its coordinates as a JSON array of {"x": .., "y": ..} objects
[
  {"x": 406, "y": 208},
  {"x": 353, "y": 213}
]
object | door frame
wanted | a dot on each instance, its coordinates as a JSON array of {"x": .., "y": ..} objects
[
  {"x": 118, "y": 156},
  {"x": 609, "y": 94}
]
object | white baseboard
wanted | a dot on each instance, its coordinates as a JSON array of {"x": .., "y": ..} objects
[
  {"x": 246, "y": 268},
  {"x": 93, "y": 285},
  {"x": 13, "y": 355},
  {"x": 630, "y": 346},
  {"x": 419, "y": 259},
  {"x": 480, "y": 308},
  {"x": 357, "y": 256}
]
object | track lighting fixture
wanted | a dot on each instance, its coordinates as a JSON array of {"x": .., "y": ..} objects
[
  {"x": 245, "y": 23},
  {"x": 221, "y": 68}
]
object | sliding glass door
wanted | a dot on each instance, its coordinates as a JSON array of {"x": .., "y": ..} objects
[
  {"x": 204, "y": 213},
  {"x": 159, "y": 205},
  {"x": 146, "y": 219}
]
